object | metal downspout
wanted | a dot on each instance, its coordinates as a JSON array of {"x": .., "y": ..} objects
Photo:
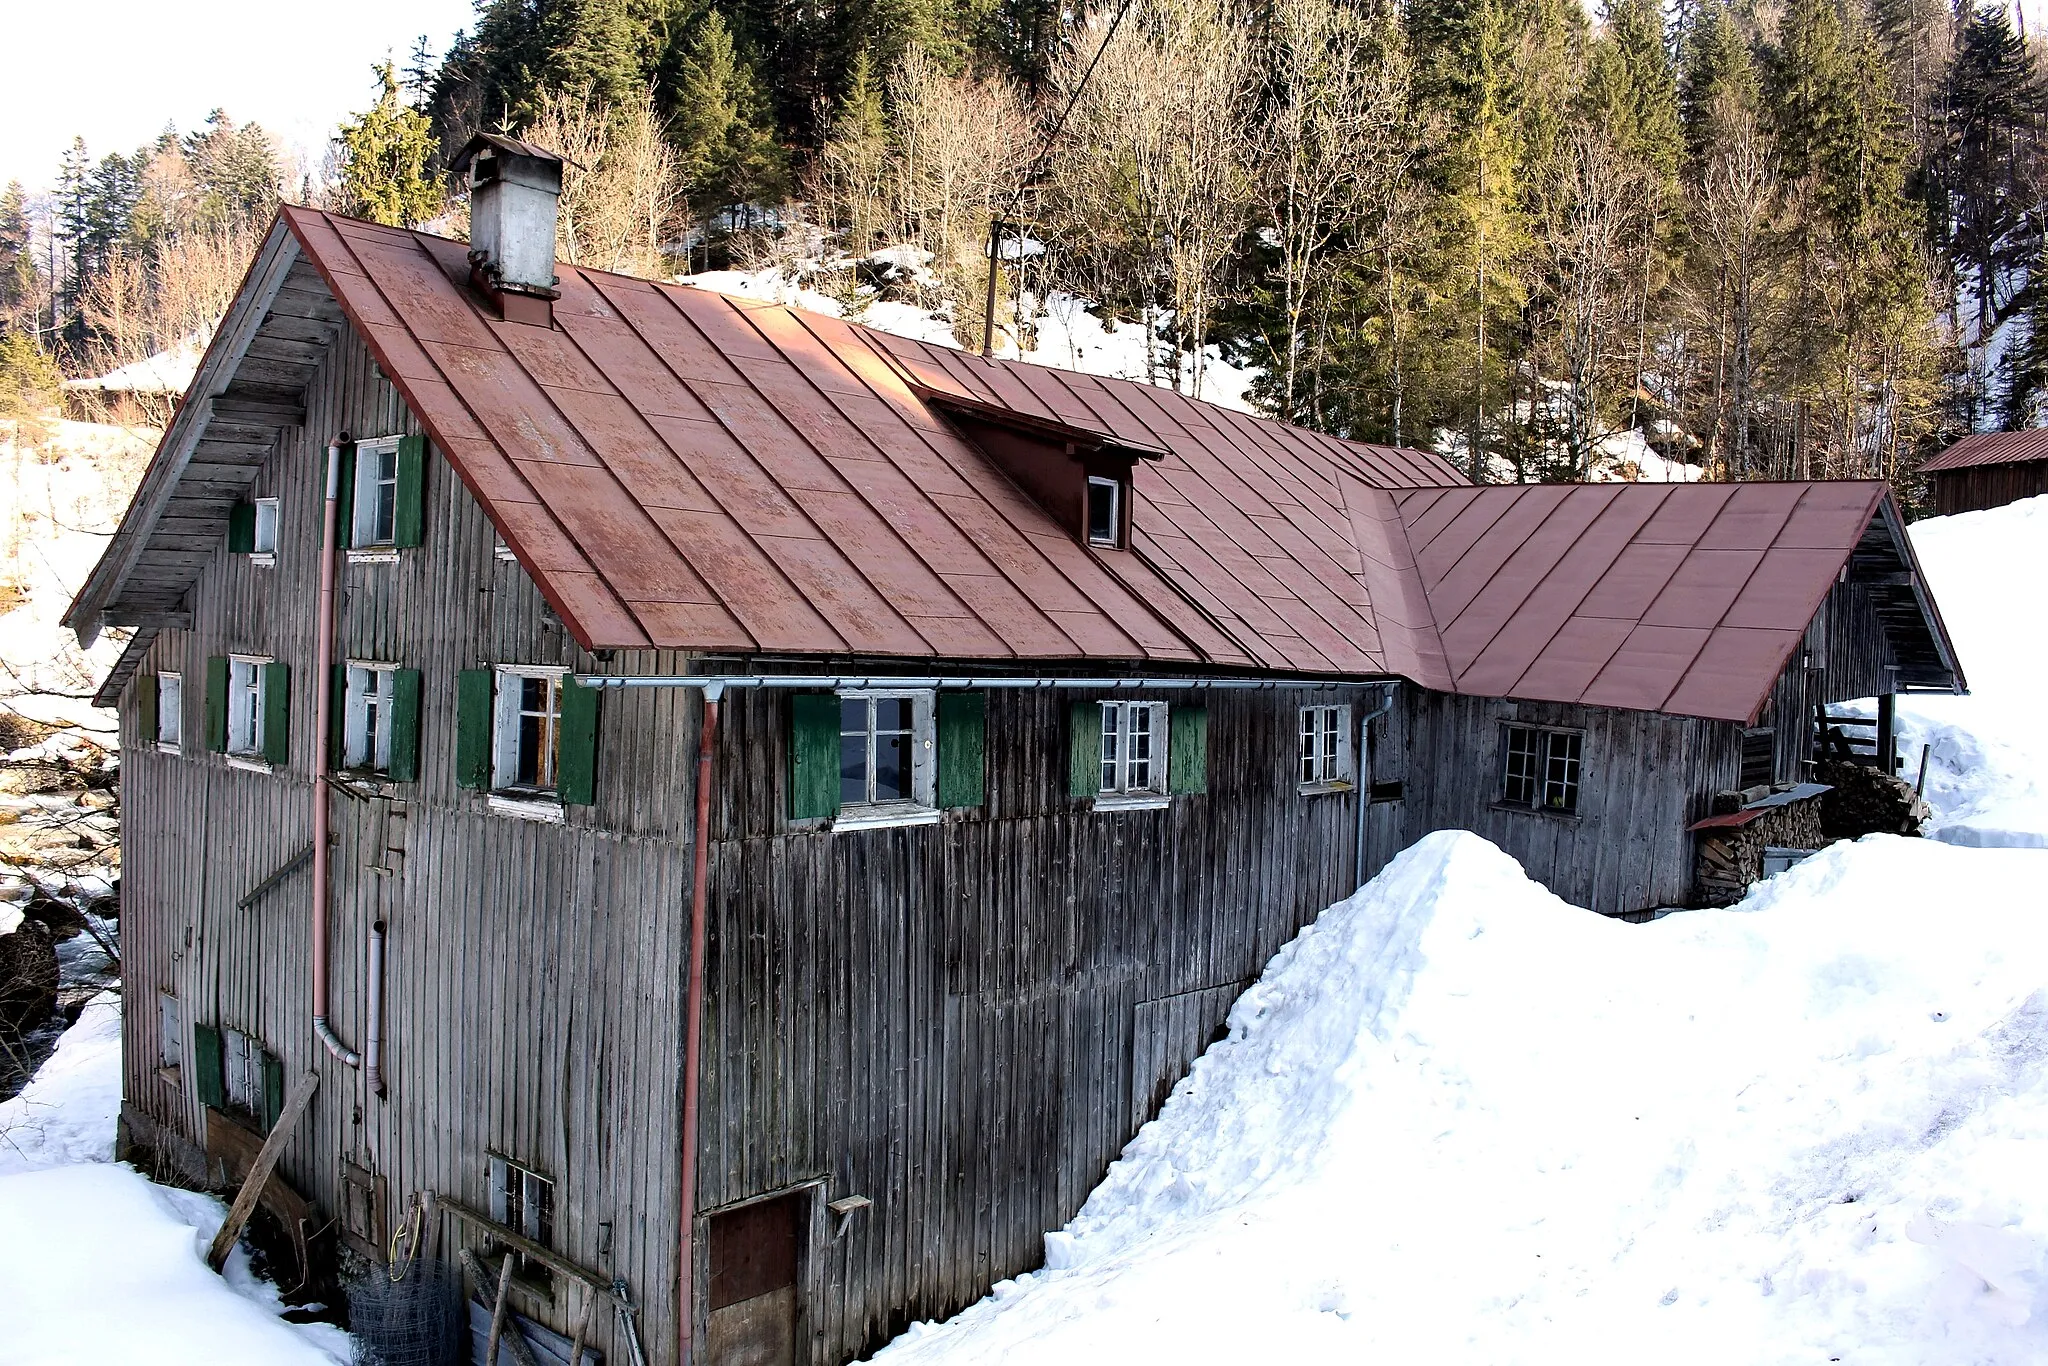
[
  {"x": 693, "y": 1027},
  {"x": 323, "y": 710},
  {"x": 1362, "y": 761}
]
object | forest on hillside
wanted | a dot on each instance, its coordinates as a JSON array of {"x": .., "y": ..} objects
[{"x": 1778, "y": 238}]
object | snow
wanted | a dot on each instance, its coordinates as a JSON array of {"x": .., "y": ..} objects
[
  {"x": 1987, "y": 774},
  {"x": 167, "y": 372},
  {"x": 1458, "y": 1120},
  {"x": 66, "y": 1113},
  {"x": 97, "y": 1262}
]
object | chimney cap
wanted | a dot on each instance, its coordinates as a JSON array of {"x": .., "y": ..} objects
[{"x": 507, "y": 146}]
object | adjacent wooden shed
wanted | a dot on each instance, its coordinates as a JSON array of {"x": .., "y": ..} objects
[{"x": 1988, "y": 470}]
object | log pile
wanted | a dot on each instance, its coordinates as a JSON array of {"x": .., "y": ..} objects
[
  {"x": 1865, "y": 801},
  {"x": 1730, "y": 859}
]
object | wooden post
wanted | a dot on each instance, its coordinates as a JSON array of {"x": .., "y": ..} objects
[
  {"x": 1887, "y": 737},
  {"x": 498, "y": 1312},
  {"x": 1920, "y": 783},
  {"x": 259, "y": 1171}
]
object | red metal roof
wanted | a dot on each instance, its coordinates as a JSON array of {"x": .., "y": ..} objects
[
  {"x": 1991, "y": 448},
  {"x": 684, "y": 470}
]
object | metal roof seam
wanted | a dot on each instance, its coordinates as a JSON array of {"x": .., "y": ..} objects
[
  {"x": 1430, "y": 580},
  {"x": 740, "y": 440},
  {"x": 1531, "y": 584},
  {"x": 936, "y": 508}
]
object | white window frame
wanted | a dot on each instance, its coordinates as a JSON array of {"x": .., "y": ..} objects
[
  {"x": 367, "y": 541},
  {"x": 1130, "y": 780},
  {"x": 1542, "y": 781},
  {"x": 170, "y": 1032},
  {"x": 245, "y": 728},
  {"x": 533, "y": 800},
  {"x": 1321, "y": 765},
  {"x": 921, "y": 806},
  {"x": 366, "y": 716},
  {"x": 170, "y": 713},
  {"x": 264, "y": 537},
  {"x": 1116, "y": 511}
]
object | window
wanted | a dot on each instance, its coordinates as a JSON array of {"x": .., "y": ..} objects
[
  {"x": 366, "y": 717},
  {"x": 376, "y": 494},
  {"x": 885, "y": 749},
  {"x": 170, "y": 1031},
  {"x": 170, "y": 711},
  {"x": 242, "y": 1071},
  {"x": 1325, "y": 748},
  {"x": 245, "y": 706},
  {"x": 1133, "y": 749},
  {"x": 522, "y": 1200},
  {"x": 528, "y": 749},
  {"x": 1105, "y": 511},
  {"x": 264, "y": 539},
  {"x": 1759, "y": 756},
  {"x": 1540, "y": 769}
]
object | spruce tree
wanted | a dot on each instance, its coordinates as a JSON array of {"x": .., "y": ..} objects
[
  {"x": 723, "y": 129},
  {"x": 387, "y": 160}
]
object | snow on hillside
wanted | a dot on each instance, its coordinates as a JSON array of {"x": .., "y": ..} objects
[
  {"x": 1461, "y": 1121},
  {"x": 66, "y": 485},
  {"x": 1069, "y": 336},
  {"x": 1987, "y": 775}
]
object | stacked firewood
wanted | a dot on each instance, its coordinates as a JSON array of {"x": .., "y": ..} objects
[{"x": 1864, "y": 801}]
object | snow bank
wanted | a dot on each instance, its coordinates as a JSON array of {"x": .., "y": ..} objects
[
  {"x": 66, "y": 1113},
  {"x": 1987, "y": 775},
  {"x": 99, "y": 1264},
  {"x": 1458, "y": 1120}
]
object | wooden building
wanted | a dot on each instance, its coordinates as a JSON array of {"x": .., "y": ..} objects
[
  {"x": 1988, "y": 470},
  {"x": 983, "y": 728}
]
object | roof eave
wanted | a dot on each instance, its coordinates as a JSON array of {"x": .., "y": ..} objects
[{"x": 87, "y": 614}]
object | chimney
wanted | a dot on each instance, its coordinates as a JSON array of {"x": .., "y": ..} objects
[{"x": 515, "y": 189}]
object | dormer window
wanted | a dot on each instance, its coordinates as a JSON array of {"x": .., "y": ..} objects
[{"x": 1105, "y": 511}]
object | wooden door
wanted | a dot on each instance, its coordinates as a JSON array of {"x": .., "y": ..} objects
[{"x": 754, "y": 1260}]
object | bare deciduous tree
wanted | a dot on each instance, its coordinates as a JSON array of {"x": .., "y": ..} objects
[{"x": 622, "y": 190}]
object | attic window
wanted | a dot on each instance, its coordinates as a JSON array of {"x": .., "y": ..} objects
[{"x": 1105, "y": 511}]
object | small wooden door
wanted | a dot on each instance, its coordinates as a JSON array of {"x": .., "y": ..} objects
[{"x": 754, "y": 1258}]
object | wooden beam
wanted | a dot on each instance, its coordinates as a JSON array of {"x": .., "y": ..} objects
[
  {"x": 259, "y": 1170},
  {"x": 140, "y": 618},
  {"x": 519, "y": 1242}
]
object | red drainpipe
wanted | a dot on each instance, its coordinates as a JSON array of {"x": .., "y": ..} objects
[
  {"x": 693, "y": 1028},
  {"x": 323, "y": 708}
]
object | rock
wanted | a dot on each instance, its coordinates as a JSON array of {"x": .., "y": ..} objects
[{"x": 28, "y": 977}]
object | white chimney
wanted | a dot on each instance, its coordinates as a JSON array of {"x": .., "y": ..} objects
[{"x": 515, "y": 191}]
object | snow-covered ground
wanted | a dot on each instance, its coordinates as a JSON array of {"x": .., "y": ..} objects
[
  {"x": 1987, "y": 774},
  {"x": 100, "y": 1264},
  {"x": 1461, "y": 1121}
]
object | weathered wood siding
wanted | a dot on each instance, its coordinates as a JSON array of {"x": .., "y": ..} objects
[
  {"x": 532, "y": 998},
  {"x": 1843, "y": 657},
  {"x": 1644, "y": 777},
  {"x": 966, "y": 1022},
  {"x": 1987, "y": 486}
]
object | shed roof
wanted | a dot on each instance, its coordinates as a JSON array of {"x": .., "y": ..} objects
[
  {"x": 679, "y": 469},
  {"x": 1991, "y": 448}
]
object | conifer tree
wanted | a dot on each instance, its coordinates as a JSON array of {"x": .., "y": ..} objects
[
  {"x": 729, "y": 154},
  {"x": 387, "y": 160}
]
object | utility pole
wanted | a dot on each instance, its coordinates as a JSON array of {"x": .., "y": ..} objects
[{"x": 988, "y": 317}]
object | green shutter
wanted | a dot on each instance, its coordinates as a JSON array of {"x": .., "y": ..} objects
[
  {"x": 337, "y": 718},
  {"x": 1187, "y": 749},
  {"x": 217, "y": 704},
  {"x": 206, "y": 1065},
  {"x": 242, "y": 529},
  {"x": 576, "y": 764},
  {"x": 277, "y": 714},
  {"x": 813, "y": 756},
  {"x": 146, "y": 727},
  {"x": 345, "y": 506},
  {"x": 273, "y": 1090},
  {"x": 963, "y": 738},
  {"x": 473, "y": 701},
  {"x": 1084, "y": 749},
  {"x": 405, "y": 726},
  {"x": 409, "y": 522}
]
